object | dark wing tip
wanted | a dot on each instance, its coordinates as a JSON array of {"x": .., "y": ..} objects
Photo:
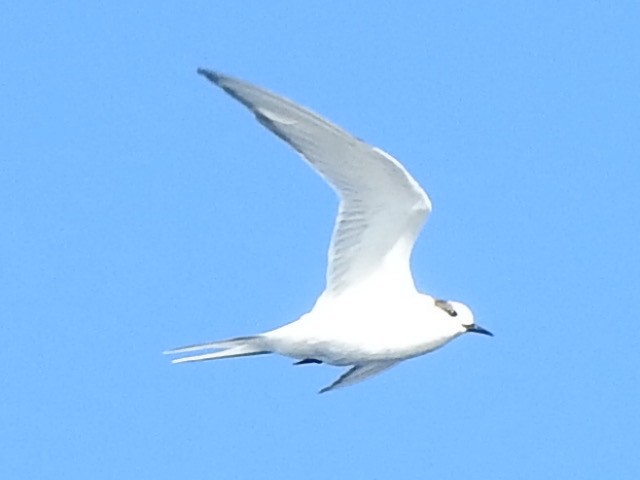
[
  {"x": 222, "y": 81},
  {"x": 325, "y": 389},
  {"x": 210, "y": 75}
]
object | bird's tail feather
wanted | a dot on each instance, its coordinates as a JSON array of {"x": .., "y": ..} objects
[{"x": 234, "y": 347}]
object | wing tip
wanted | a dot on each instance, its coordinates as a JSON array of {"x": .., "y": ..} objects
[{"x": 210, "y": 75}]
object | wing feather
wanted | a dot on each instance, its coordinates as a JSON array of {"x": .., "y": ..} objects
[
  {"x": 382, "y": 207},
  {"x": 358, "y": 373}
]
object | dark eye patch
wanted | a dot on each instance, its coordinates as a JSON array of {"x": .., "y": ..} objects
[{"x": 446, "y": 306}]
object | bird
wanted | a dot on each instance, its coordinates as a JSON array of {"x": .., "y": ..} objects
[{"x": 370, "y": 316}]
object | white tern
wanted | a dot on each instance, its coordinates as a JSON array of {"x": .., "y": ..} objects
[{"x": 370, "y": 316}]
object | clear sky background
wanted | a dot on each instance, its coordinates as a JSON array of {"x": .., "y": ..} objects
[{"x": 142, "y": 209}]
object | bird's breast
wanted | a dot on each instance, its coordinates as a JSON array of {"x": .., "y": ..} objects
[{"x": 347, "y": 336}]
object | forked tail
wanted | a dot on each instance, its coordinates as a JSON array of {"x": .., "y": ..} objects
[{"x": 234, "y": 347}]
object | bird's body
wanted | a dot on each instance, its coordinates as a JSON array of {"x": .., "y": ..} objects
[
  {"x": 395, "y": 328},
  {"x": 370, "y": 316}
]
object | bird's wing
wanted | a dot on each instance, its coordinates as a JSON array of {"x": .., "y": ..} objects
[
  {"x": 382, "y": 207},
  {"x": 359, "y": 373}
]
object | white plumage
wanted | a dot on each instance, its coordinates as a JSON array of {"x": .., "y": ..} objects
[{"x": 370, "y": 315}]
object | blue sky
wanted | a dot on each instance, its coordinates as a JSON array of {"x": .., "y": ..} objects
[{"x": 142, "y": 209}]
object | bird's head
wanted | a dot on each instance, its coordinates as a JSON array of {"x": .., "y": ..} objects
[{"x": 461, "y": 315}]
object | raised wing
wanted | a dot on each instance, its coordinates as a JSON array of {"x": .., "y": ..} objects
[{"x": 382, "y": 207}]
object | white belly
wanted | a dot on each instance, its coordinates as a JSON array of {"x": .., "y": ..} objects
[{"x": 343, "y": 336}]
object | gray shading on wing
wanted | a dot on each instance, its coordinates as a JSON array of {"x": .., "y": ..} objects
[
  {"x": 359, "y": 373},
  {"x": 382, "y": 207}
]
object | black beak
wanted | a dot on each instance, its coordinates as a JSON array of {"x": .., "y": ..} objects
[{"x": 478, "y": 329}]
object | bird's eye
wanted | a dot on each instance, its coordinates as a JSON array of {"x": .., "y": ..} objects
[{"x": 446, "y": 306}]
